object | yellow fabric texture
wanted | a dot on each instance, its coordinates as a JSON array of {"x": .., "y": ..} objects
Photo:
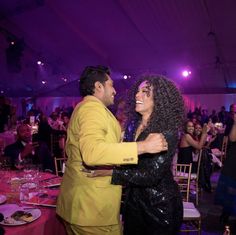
[{"x": 93, "y": 136}]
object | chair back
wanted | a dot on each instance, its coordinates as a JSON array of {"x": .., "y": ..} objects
[
  {"x": 224, "y": 148},
  {"x": 194, "y": 182},
  {"x": 60, "y": 165},
  {"x": 57, "y": 145},
  {"x": 182, "y": 175}
]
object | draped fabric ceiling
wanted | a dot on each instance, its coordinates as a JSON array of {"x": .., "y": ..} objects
[{"x": 130, "y": 36}]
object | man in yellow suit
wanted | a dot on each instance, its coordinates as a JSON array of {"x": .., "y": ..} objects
[{"x": 91, "y": 206}]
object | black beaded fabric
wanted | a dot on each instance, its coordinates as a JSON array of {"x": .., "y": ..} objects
[{"x": 153, "y": 203}]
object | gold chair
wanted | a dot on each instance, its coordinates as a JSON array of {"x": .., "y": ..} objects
[
  {"x": 182, "y": 175},
  {"x": 57, "y": 145},
  {"x": 60, "y": 165},
  {"x": 191, "y": 219},
  {"x": 194, "y": 179},
  {"x": 224, "y": 148}
]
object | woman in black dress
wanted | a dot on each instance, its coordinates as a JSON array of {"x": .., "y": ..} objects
[{"x": 153, "y": 204}]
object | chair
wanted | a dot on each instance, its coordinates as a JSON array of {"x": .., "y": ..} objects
[
  {"x": 194, "y": 179},
  {"x": 57, "y": 145},
  {"x": 191, "y": 219},
  {"x": 60, "y": 165},
  {"x": 224, "y": 148},
  {"x": 182, "y": 175}
]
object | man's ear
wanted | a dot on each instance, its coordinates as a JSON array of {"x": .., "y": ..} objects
[{"x": 98, "y": 85}]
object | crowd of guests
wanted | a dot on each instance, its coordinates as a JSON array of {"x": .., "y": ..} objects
[
  {"x": 35, "y": 146},
  {"x": 201, "y": 116},
  {"x": 149, "y": 183}
]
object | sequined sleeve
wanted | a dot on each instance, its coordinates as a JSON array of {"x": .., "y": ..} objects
[{"x": 150, "y": 169}]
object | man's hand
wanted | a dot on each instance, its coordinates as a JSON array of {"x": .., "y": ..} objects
[
  {"x": 28, "y": 149},
  {"x": 154, "y": 143},
  {"x": 97, "y": 173}
]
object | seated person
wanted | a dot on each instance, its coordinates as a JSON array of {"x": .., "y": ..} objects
[
  {"x": 23, "y": 149},
  {"x": 45, "y": 134},
  {"x": 188, "y": 144}
]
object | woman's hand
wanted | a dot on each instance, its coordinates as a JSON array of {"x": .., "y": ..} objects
[{"x": 97, "y": 173}]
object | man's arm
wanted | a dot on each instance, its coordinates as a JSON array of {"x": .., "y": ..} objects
[{"x": 100, "y": 146}]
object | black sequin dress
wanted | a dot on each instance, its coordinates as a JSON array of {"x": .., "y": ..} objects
[{"x": 153, "y": 204}]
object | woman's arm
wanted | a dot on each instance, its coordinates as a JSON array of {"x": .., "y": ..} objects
[
  {"x": 155, "y": 168},
  {"x": 197, "y": 144}
]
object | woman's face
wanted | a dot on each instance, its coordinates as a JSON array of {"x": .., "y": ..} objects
[
  {"x": 190, "y": 128},
  {"x": 144, "y": 99},
  {"x": 198, "y": 129}
]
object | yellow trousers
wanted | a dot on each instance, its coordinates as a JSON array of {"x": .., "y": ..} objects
[{"x": 73, "y": 229}]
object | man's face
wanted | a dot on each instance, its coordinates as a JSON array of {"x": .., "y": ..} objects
[
  {"x": 109, "y": 92},
  {"x": 24, "y": 133}
]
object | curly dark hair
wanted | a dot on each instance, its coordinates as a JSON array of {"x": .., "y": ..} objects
[
  {"x": 89, "y": 76},
  {"x": 168, "y": 113}
]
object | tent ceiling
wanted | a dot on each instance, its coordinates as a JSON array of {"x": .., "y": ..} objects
[{"x": 132, "y": 37}]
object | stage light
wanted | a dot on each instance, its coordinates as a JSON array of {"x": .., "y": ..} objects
[
  {"x": 39, "y": 62},
  {"x": 44, "y": 82},
  {"x": 186, "y": 73},
  {"x": 125, "y": 77}
]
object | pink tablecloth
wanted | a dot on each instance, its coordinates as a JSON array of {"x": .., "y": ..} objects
[{"x": 47, "y": 224}]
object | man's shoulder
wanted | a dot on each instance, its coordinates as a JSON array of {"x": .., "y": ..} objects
[
  {"x": 15, "y": 145},
  {"x": 89, "y": 103}
]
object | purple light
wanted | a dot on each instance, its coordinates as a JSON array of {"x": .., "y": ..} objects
[
  {"x": 186, "y": 73},
  {"x": 125, "y": 77},
  {"x": 39, "y": 62},
  {"x": 43, "y": 82}
]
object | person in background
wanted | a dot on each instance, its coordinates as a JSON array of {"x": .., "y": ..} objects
[
  {"x": 5, "y": 111},
  {"x": 153, "y": 204},
  {"x": 66, "y": 119},
  {"x": 225, "y": 192},
  {"x": 206, "y": 158},
  {"x": 222, "y": 115},
  {"x": 188, "y": 144},
  {"x": 24, "y": 150},
  {"x": 213, "y": 116},
  {"x": 92, "y": 206},
  {"x": 54, "y": 122}
]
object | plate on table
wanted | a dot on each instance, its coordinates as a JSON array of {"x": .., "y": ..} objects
[
  {"x": 3, "y": 198},
  {"x": 53, "y": 182},
  {"x": 25, "y": 214},
  {"x": 29, "y": 185}
]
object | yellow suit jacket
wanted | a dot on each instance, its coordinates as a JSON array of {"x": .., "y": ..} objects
[{"x": 93, "y": 136}]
